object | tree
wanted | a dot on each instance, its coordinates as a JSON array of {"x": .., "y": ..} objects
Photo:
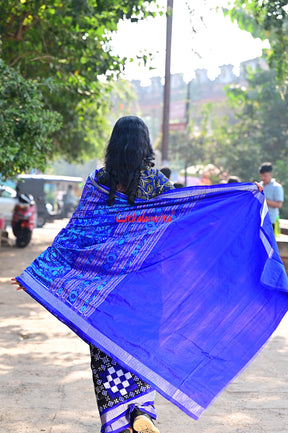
[
  {"x": 26, "y": 126},
  {"x": 265, "y": 100},
  {"x": 259, "y": 132},
  {"x": 66, "y": 44},
  {"x": 266, "y": 19}
]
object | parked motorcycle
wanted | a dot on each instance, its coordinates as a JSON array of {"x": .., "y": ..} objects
[{"x": 24, "y": 219}]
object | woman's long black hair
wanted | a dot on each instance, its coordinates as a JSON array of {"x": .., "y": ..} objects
[{"x": 129, "y": 151}]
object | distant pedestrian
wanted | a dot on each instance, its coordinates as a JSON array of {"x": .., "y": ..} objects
[
  {"x": 273, "y": 191},
  {"x": 178, "y": 185},
  {"x": 166, "y": 171},
  {"x": 233, "y": 179}
]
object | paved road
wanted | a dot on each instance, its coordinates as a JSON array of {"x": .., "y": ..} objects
[{"x": 46, "y": 384}]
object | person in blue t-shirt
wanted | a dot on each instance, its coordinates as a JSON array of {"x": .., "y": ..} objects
[{"x": 273, "y": 191}]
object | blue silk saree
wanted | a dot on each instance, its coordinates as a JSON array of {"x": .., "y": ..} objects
[{"x": 183, "y": 290}]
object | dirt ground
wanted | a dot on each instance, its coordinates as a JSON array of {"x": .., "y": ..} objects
[{"x": 46, "y": 384}]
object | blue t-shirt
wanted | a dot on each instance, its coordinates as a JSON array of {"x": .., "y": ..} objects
[{"x": 273, "y": 191}]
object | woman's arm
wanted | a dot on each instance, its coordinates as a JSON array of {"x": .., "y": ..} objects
[{"x": 260, "y": 187}]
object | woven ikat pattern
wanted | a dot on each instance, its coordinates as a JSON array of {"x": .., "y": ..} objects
[
  {"x": 100, "y": 257},
  {"x": 113, "y": 383}
]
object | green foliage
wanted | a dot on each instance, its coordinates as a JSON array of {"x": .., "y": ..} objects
[
  {"x": 261, "y": 110},
  {"x": 280, "y": 173},
  {"x": 262, "y": 116},
  {"x": 187, "y": 147},
  {"x": 69, "y": 39},
  {"x": 25, "y": 125},
  {"x": 254, "y": 128},
  {"x": 266, "y": 19},
  {"x": 85, "y": 127},
  {"x": 65, "y": 47},
  {"x": 258, "y": 132}
]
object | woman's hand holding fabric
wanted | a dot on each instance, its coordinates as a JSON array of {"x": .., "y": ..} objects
[{"x": 20, "y": 287}]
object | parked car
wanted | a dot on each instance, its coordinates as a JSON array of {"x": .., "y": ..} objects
[{"x": 8, "y": 200}]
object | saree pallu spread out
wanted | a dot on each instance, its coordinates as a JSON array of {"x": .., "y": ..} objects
[{"x": 183, "y": 290}]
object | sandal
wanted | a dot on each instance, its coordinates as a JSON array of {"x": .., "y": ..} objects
[{"x": 143, "y": 423}]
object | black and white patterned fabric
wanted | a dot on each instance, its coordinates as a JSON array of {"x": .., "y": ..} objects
[{"x": 118, "y": 391}]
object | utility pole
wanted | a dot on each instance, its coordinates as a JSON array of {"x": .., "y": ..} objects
[{"x": 166, "y": 102}]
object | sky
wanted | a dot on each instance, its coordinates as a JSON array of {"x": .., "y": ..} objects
[{"x": 216, "y": 41}]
